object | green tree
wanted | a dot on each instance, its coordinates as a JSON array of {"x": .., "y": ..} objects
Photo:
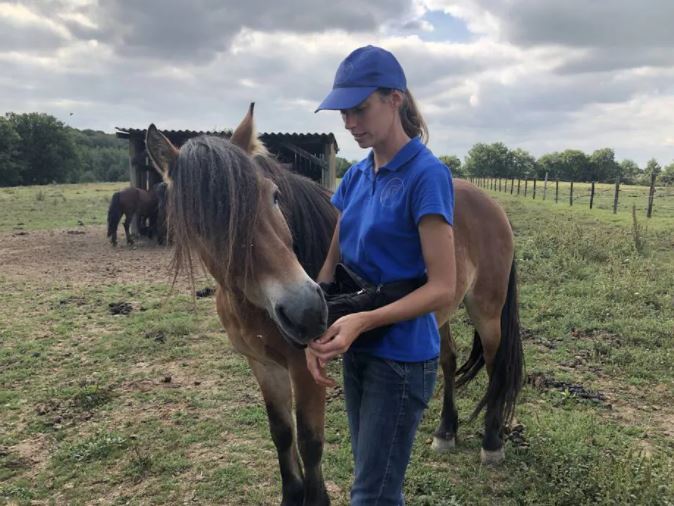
[
  {"x": 573, "y": 163},
  {"x": 46, "y": 149},
  {"x": 667, "y": 175},
  {"x": 603, "y": 166},
  {"x": 11, "y": 167},
  {"x": 493, "y": 160},
  {"x": 652, "y": 167},
  {"x": 629, "y": 172},
  {"x": 524, "y": 164},
  {"x": 342, "y": 165},
  {"x": 454, "y": 164}
]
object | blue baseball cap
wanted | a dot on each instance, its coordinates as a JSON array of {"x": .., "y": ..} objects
[{"x": 360, "y": 74}]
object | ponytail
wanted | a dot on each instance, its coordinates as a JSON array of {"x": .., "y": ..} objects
[{"x": 410, "y": 117}]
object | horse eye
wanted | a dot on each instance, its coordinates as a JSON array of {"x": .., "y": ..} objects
[{"x": 277, "y": 197}]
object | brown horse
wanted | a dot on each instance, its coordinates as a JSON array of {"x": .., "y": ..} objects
[
  {"x": 130, "y": 202},
  {"x": 263, "y": 233}
]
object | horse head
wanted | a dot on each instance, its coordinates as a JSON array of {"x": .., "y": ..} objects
[{"x": 223, "y": 208}]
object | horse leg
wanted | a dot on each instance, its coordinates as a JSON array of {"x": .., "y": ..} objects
[
  {"x": 274, "y": 383},
  {"x": 444, "y": 438},
  {"x": 499, "y": 336},
  {"x": 489, "y": 331},
  {"x": 310, "y": 415},
  {"x": 127, "y": 222}
]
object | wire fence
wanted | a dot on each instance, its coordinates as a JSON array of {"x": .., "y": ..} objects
[{"x": 650, "y": 200}]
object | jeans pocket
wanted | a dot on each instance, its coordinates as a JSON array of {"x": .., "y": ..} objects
[
  {"x": 430, "y": 375},
  {"x": 400, "y": 368}
]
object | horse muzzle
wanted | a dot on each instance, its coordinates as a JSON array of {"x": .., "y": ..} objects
[{"x": 301, "y": 314}]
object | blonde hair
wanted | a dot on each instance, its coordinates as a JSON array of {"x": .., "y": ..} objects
[{"x": 410, "y": 117}]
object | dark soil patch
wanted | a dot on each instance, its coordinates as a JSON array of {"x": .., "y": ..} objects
[{"x": 120, "y": 308}]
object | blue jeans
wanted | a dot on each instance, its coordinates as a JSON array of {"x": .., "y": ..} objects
[{"x": 385, "y": 400}]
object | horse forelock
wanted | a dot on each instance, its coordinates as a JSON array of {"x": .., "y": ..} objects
[{"x": 214, "y": 207}]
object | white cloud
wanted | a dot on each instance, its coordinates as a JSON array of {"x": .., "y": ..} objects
[{"x": 542, "y": 76}]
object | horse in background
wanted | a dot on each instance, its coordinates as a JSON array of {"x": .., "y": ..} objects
[{"x": 130, "y": 202}]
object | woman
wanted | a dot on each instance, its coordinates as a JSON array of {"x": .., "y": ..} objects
[{"x": 396, "y": 212}]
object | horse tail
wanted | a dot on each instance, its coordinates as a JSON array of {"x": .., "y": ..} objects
[
  {"x": 473, "y": 364},
  {"x": 507, "y": 375},
  {"x": 114, "y": 214}
]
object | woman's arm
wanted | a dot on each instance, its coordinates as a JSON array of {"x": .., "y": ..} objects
[
  {"x": 437, "y": 244},
  {"x": 327, "y": 272}
]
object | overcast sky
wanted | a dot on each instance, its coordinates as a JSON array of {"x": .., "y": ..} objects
[{"x": 542, "y": 75}]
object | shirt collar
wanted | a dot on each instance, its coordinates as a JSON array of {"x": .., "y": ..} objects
[{"x": 404, "y": 155}]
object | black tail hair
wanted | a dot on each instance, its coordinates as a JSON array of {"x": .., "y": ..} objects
[
  {"x": 114, "y": 214},
  {"x": 508, "y": 373}
]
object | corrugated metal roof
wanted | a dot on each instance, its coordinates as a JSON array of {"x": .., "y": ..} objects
[{"x": 124, "y": 133}]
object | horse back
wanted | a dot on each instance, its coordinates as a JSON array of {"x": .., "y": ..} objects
[{"x": 483, "y": 245}]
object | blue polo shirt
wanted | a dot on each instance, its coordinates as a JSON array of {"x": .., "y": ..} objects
[{"x": 379, "y": 236}]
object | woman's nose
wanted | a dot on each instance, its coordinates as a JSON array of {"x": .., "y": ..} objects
[{"x": 348, "y": 120}]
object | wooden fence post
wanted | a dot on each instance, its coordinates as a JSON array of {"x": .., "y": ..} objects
[
  {"x": 534, "y": 192},
  {"x": 592, "y": 195},
  {"x": 545, "y": 186},
  {"x": 651, "y": 195},
  {"x": 519, "y": 181},
  {"x": 571, "y": 195},
  {"x": 499, "y": 184},
  {"x": 512, "y": 185},
  {"x": 615, "y": 195},
  {"x": 556, "y": 190},
  {"x": 526, "y": 184}
]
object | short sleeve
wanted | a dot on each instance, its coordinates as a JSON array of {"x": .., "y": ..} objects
[
  {"x": 339, "y": 197},
  {"x": 434, "y": 193}
]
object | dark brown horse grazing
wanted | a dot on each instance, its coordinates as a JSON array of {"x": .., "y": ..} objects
[
  {"x": 129, "y": 202},
  {"x": 263, "y": 233}
]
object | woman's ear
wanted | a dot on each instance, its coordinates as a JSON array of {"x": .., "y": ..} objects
[{"x": 398, "y": 98}]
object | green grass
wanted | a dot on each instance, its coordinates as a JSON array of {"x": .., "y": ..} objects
[
  {"x": 628, "y": 195},
  {"x": 55, "y": 206},
  {"x": 87, "y": 413}
]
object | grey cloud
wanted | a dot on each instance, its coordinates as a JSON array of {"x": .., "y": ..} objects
[
  {"x": 617, "y": 33},
  {"x": 177, "y": 31},
  {"x": 31, "y": 38}
]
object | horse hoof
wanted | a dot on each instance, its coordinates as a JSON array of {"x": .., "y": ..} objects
[
  {"x": 492, "y": 458},
  {"x": 441, "y": 445}
]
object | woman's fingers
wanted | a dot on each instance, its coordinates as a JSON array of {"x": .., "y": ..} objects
[{"x": 316, "y": 367}]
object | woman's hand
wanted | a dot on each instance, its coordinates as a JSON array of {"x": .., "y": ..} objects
[
  {"x": 317, "y": 369},
  {"x": 339, "y": 337}
]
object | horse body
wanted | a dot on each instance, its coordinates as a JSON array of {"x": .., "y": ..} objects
[
  {"x": 263, "y": 233},
  {"x": 130, "y": 202}
]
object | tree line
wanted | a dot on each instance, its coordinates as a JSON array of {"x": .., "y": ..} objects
[
  {"x": 497, "y": 160},
  {"x": 37, "y": 148}
]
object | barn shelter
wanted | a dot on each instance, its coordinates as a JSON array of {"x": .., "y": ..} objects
[{"x": 310, "y": 154}]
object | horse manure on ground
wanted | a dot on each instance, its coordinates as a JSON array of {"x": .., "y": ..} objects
[
  {"x": 515, "y": 435},
  {"x": 120, "y": 308},
  {"x": 542, "y": 382},
  {"x": 157, "y": 336},
  {"x": 205, "y": 292}
]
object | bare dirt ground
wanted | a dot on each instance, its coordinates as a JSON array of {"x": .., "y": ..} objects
[{"x": 84, "y": 256}]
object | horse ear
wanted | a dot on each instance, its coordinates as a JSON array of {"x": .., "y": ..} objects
[
  {"x": 245, "y": 136},
  {"x": 161, "y": 151}
]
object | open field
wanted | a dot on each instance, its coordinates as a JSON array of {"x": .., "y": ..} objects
[
  {"x": 152, "y": 406},
  {"x": 628, "y": 195}
]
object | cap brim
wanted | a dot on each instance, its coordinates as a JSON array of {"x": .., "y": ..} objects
[{"x": 345, "y": 98}]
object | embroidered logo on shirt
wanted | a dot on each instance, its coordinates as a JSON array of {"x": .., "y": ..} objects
[{"x": 392, "y": 193}]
